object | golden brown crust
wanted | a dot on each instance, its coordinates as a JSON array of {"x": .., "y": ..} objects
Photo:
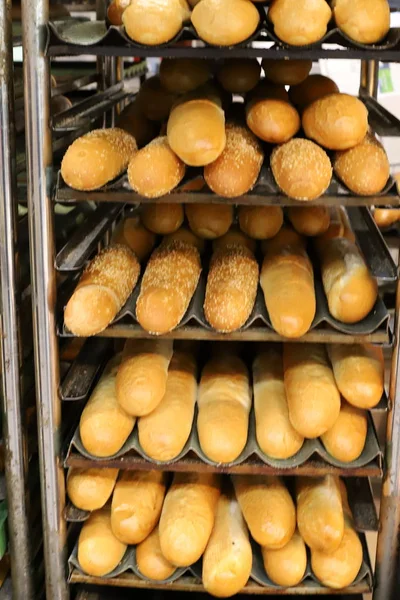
[
  {"x": 309, "y": 220},
  {"x": 286, "y": 566},
  {"x": 209, "y": 221},
  {"x": 260, "y": 222},
  {"x": 154, "y": 23},
  {"x": 150, "y": 560},
  {"x": 133, "y": 121},
  {"x": 131, "y": 232},
  {"x": 89, "y": 489},
  {"x": 162, "y": 218},
  {"x": 345, "y": 441},
  {"x": 286, "y": 72},
  {"x": 365, "y": 21},
  {"x": 313, "y": 88},
  {"x": 272, "y": 120},
  {"x": 385, "y": 217},
  {"x": 300, "y": 23},
  {"x": 234, "y": 237},
  {"x": 209, "y": 18}
]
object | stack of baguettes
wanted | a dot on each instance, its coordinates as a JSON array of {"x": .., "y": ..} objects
[
  {"x": 308, "y": 391},
  {"x": 200, "y": 515}
]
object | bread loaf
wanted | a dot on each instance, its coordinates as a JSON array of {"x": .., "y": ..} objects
[
  {"x": 89, "y": 489},
  {"x": 339, "y": 568},
  {"x": 96, "y": 158},
  {"x": 345, "y": 441},
  {"x": 164, "y": 432},
  {"x": 336, "y": 227},
  {"x": 132, "y": 120},
  {"x": 102, "y": 290},
  {"x": 275, "y": 434},
  {"x": 286, "y": 72},
  {"x": 228, "y": 557},
  {"x": 385, "y": 217},
  {"x": 364, "y": 169},
  {"x": 186, "y": 236},
  {"x": 99, "y": 551},
  {"x": 155, "y": 170},
  {"x": 154, "y": 22},
  {"x": 187, "y": 518},
  {"x": 115, "y": 10},
  {"x": 272, "y": 120},
  {"x": 301, "y": 169},
  {"x": 260, "y": 222},
  {"x": 182, "y": 75},
  {"x": 224, "y": 403},
  {"x": 359, "y": 373},
  {"x": 150, "y": 560},
  {"x": 209, "y": 18},
  {"x": 131, "y": 232},
  {"x": 168, "y": 284},
  {"x": 319, "y": 512},
  {"x": 239, "y": 75},
  {"x": 364, "y": 21},
  {"x": 104, "y": 426},
  {"x": 153, "y": 101},
  {"x": 313, "y": 88},
  {"x": 234, "y": 237},
  {"x": 309, "y": 220},
  {"x": 162, "y": 218},
  {"x": 300, "y": 22},
  {"x": 336, "y": 121},
  {"x": 196, "y": 131},
  {"x": 350, "y": 289},
  {"x": 267, "y": 508},
  {"x": 136, "y": 505},
  {"x": 142, "y": 375},
  {"x": 236, "y": 170},
  {"x": 312, "y": 395},
  {"x": 286, "y": 237},
  {"x": 286, "y": 566},
  {"x": 209, "y": 221},
  {"x": 287, "y": 281},
  {"x": 231, "y": 289}
]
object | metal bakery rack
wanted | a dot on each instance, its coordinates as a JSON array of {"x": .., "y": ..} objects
[{"x": 60, "y": 399}]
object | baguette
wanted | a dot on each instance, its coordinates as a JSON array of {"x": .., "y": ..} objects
[
  {"x": 162, "y": 218},
  {"x": 209, "y": 18},
  {"x": 187, "y": 517},
  {"x": 136, "y": 505},
  {"x": 260, "y": 222},
  {"x": 228, "y": 557},
  {"x": 309, "y": 220},
  {"x": 275, "y": 434},
  {"x": 150, "y": 560},
  {"x": 168, "y": 284},
  {"x": 286, "y": 566},
  {"x": 89, "y": 489},
  {"x": 96, "y": 158},
  {"x": 268, "y": 509},
  {"x": 231, "y": 288},
  {"x": 102, "y": 290},
  {"x": 312, "y": 396},
  {"x": 359, "y": 373},
  {"x": 287, "y": 280},
  {"x": 350, "y": 289},
  {"x": 224, "y": 404},
  {"x": 131, "y": 232},
  {"x": 104, "y": 426},
  {"x": 154, "y": 22},
  {"x": 320, "y": 516},
  {"x": 99, "y": 551},
  {"x": 209, "y": 221},
  {"x": 164, "y": 432},
  {"x": 345, "y": 441}
]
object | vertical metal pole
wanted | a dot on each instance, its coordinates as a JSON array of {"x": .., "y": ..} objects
[
  {"x": 39, "y": 171},
  {"x": 369, "y": 77},
  {"x": 14, "y": 423}
]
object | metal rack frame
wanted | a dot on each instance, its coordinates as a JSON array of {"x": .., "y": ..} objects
[{"x": 39, "y": 160}]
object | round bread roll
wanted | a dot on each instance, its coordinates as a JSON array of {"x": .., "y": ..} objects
[
  {"x": 155, "y": 170},
  {"x": 150, "y": 560},
  {"x": 301, "y": 169},
  {"x": 209, "y": 221},
  {"x": 213, "y": 25},
  {"x": 286, "y": 72},
  {"x": 115, "y": 10},
  {"x": 99, "y": 551},
  {"x": 89, "y": 489},
  {"x": 286, "y": 566},
  {"x": 131, "y": 232},
  {"x": 234, "y": 237},
  {"x": 154, "y": 22},
  {"x": 196, "y": 131},
  {"x": 364, "y": 21},
  {"x": 385, "y": 217},
  {"x": 162, "y": 218},
  {"x": 133, "y": 121},
  {"x": 300, "y": 22},
  {"x": 345, "y": 441},
  {"x": 236, "y": 170},
  {"x": 337, "y": 121},
  {"x": 182, "y": 75},
  {"x": 260, "y": 222},
  {"x": 153, "y": 101},
  {"x": 365, "y": 168},
  {"x": 272, "y": 120},
  {"x": 239, "y": 75},
  {"x": 309, "y": 220},
  {"x": 311, "y": 89}
]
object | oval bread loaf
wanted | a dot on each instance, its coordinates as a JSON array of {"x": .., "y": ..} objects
[
  {"x": 154, "y": 22},
  {"x": 313, "y": 88},
  {"x": 99, "y": 551},
  {"x": 209, "y": 221},
  {"x": 150, "y": 560},
  {"x": 286, "y": 566},
  {"x": 89, "y": 489},
  {"x": 345, "y": 441},
  {"x": 239, "y": 75},
  {"x": 286, "y": 72},
  {"x": 364, "y": 21},
  {"x": 209, "y": 18},
  {"x": 385, "y": 217},
  {"x": 300, "y": 22},
  {"x": 309, "y": 220},
  {"x": 260, "y": 222},
  {"x": 162, "y": 218},
  {"x": 132, "y": 233},
  {"x": 272, "y": 120}
]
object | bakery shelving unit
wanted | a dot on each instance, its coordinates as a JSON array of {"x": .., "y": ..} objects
[{"x": 42, "y": 41}]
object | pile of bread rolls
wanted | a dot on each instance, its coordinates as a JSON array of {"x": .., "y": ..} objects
[
  {"x": 185, "y": 118},
  {"x": 308, "y": 391},
  {"x": 201, "y": 515}
]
